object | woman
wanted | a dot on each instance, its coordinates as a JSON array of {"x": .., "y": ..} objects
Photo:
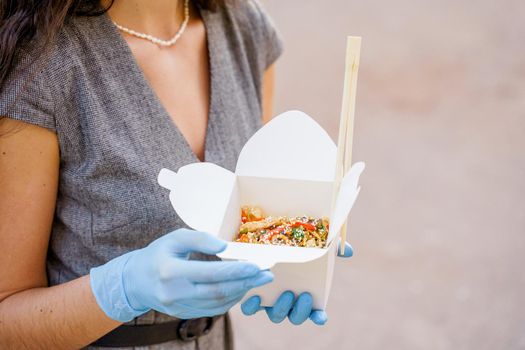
[{"x": 97, "y": 99}]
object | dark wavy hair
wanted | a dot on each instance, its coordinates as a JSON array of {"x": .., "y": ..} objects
[{"x": 22, "y": 21}]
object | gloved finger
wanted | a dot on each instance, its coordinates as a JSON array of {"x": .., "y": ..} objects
[
  {"x": 207, "y": 271},
  {"x": 195, "y": 310},
  {"x": 222, "y": 290},
  {"x": 349, "y": 251},
  {"x": 222, "y": 309},
  {"x": 281, "y": 308},
  {"x": 319, "y": 317},
  {"x": 302, "y": 309},
  {"x": 186, "y": 241},
  {"x": 251, "y": 305},
  {"x": 214, "y": 303}
]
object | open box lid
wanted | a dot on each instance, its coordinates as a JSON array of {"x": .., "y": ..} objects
[
  {"x": 286, "y": 147},
  {"x": 291, "y": 146}
]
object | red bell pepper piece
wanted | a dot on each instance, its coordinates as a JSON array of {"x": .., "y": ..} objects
[{"x": 305, "y": 225}]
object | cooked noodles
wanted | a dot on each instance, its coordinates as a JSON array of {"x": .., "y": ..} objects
[{"x": 298, "y": 231}]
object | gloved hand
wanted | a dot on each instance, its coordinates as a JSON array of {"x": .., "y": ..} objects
[
  {"x": 160, "y": 277},
  {"x": 297, "y": 310}
]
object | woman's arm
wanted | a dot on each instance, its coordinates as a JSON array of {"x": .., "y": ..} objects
[
  {"x": 31, "y": 314},
  {"x": 268, "y": 89},
  {"x": 66, "y": 316},
  {"x": 73, "y": 314}
]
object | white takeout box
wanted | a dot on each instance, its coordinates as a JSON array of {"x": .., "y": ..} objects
[{"x": 286, "y": 168}]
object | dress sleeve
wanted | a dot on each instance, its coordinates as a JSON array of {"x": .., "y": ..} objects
[
  {"x": 25, "y": 95},
  {"x": 270, "y": 37}
]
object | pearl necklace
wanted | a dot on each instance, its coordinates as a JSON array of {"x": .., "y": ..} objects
[{"x": 158, "y": 41}]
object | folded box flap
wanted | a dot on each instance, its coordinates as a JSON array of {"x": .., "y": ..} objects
[
  {"x": 200, "y": 194},
  {"x": 266, "y": 256},
  {"x": 293, "y": 146},
  {"x": 347, "y": 195},
  {"x": 167, "y": 178}
]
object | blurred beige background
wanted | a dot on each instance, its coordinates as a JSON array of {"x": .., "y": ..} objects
[{"x": 439, "y": 229}]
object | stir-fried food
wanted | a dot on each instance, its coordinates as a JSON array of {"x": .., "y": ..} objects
[{"x": 299, "y": 231}]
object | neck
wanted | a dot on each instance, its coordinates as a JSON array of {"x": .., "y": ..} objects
[{"x": 160, "y": 18}]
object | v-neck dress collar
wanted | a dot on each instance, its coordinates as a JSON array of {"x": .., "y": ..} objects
[{"x": 157, "y": 109}]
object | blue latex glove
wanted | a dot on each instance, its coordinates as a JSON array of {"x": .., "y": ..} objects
[
  {"x": 297, "y": 310},
  {"x": 160, "y": 277}
]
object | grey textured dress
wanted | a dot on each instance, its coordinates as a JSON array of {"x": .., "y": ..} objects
[{"x": 115, "y": 135}]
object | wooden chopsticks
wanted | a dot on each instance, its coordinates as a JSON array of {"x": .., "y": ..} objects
[{"x": 346, "y": 123}]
